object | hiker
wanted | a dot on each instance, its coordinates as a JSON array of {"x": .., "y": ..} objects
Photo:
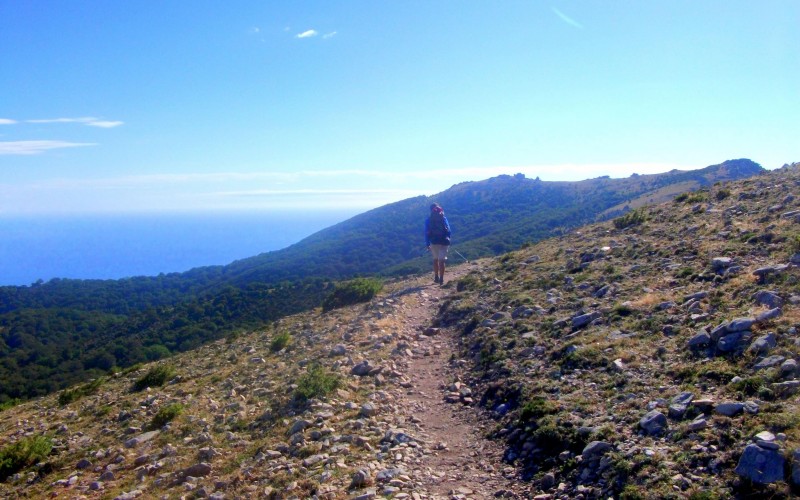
[{"x": 437, "y": 240}]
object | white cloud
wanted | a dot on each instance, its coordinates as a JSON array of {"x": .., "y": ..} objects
[
  {"x": 7, "y": 121},
  {"x": 105, "y": 124},
  {"x": 329, "y": 35},
  {"x": 36, "y": 147},
  {"x": 86, "y": 120},
  {"x": 307, "y": 34},
  {"x": 312, "y": 192},
  {"x": 567, "y": 19}
]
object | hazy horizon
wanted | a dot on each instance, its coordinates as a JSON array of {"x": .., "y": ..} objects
[{"x": 114, "y": 246}]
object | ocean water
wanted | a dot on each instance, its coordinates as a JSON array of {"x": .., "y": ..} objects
[{"x": 118, "y": 246}]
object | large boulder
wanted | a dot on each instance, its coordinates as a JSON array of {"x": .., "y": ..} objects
[
  {"x": 763, "y": 344},
  {"x": 653, "y": 423},
  {"x": 761, "y": 465},
  {"x": 585, "y": 319},
  {"x": 768, "y": 298}
]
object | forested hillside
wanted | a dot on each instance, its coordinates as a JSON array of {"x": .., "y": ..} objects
[{"x": 42, "y": 350}]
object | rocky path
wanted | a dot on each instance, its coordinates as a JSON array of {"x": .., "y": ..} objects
[{"x": 462, "y": 463}]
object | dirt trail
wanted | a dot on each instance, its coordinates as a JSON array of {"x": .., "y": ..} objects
[{"x": 464, "y": 464}]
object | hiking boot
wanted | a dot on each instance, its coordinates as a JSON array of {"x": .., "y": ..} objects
[{"x": 436, "y": 279}]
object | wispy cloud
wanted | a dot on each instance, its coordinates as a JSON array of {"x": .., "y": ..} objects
[
  {"x": 567, "y": 19},
  {"x": 105, "y": 124},
  {"x": 329, "y": 35},
  {"x": 307, "y": 34},
  {"x": 86, "y": 120},
  {"x": 7, "y": 121},
  {"x": 36, "y": 147},
  {"x": 310, "y": 192}
]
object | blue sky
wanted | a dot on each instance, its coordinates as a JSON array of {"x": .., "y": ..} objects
[{"x": 204, "y": 105}]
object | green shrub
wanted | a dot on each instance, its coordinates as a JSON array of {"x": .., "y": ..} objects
[
  {"x": 553, "y": 437},
  {"x": 749, "y": 386},
  {"x": 317, "y": 382},
  {"x": 584, "y": 358},
  {"x": 696, "y": 197},
  {"x": 632, "y": 492},
  {"x": 537, "y": 407},
  {"x": 5, "y": 405},
  {"x": 166, "y": 414},
  {"x": 22, "y": 454},
  {"x": 469, "y": 282},
  {"x": 156, "y": 377},
  {"x": 280, "y": 341},
  {"x": 632, "y": 218},
  {"x": 351, "y": 292},
  {"x": 69, "y": 395}
]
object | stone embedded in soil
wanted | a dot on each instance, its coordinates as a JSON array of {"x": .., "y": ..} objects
[
  {"x": 142, "y": 438},
  {"x": 679, "y": 405},
  {"x": 760, "y": 465},
  {"x": 729, "y": 409},
  {"x": 763, "y": 344},
  {"x": 653, "y": 423},
  {"x": 768, "y": 362},
  {"x": 768, "y": 298}
]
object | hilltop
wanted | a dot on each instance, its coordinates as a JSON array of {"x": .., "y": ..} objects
[{"x": 653, "y": 355}]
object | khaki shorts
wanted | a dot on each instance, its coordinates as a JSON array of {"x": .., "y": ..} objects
[{"x": 439, "y": 252}]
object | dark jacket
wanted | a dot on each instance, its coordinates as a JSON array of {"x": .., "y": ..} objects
[{"x": 434, "y": 238}]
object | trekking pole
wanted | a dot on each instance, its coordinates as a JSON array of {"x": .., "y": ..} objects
[{"x": 459, "y": 254}]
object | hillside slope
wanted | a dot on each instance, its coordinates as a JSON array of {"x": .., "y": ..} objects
[
  {"x": 652, "y": 356},
  {"x": 64, "y": 331}
]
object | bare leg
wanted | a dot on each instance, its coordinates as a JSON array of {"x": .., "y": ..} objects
[
  {"x": 441, "y": 270},
  {"x": 436, "y": 267}
]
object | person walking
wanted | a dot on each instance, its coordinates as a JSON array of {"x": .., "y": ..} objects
[{"x": 437, "y": 240}]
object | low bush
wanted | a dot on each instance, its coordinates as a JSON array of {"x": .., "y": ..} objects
[
  {"x": 317, "y": 382},
  {"x": 280, "y": 341},
  {"x": 5, "y": 405},
  {"x": 155, "y": 377},
  {"x": 69, "y": 395},
  {"x": 632, "y": 218},
  {"x": 22, "y": 454},
  {"x": 166, "y": 414},
  {"x": 351, "y": 292},
  {"x": 537, "y": 407}
]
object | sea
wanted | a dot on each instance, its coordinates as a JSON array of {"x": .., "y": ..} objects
[{"x": 34, "y": 248}]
